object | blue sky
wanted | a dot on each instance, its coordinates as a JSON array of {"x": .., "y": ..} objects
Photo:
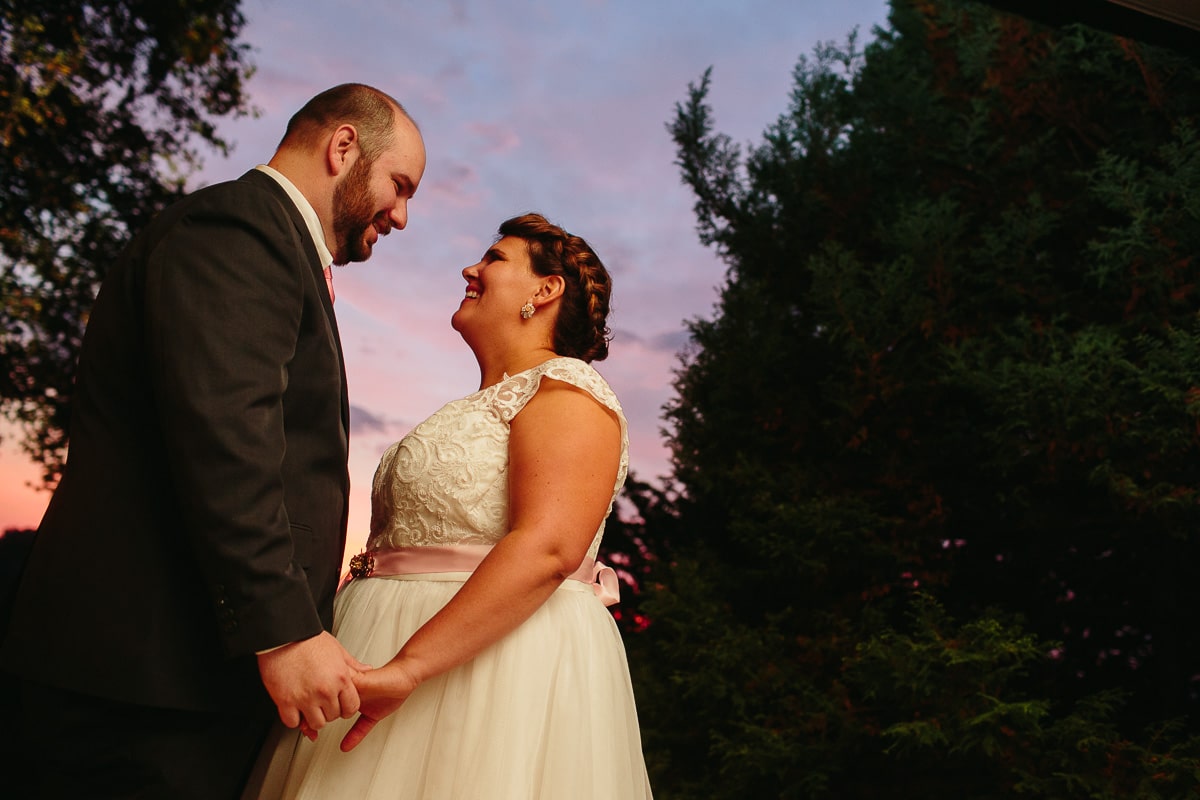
[{"x": 557, "y": 107}]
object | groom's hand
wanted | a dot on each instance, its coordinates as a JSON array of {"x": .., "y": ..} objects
[
  {"x": 381, "y": 691},
  {"x": 311, "y": 680}
]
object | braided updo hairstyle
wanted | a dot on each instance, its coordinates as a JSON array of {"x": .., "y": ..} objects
[{"x": 582, "y": 327}]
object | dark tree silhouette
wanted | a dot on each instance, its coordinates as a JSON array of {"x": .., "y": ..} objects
[
  {"x": 938, "y": 504},
  {"x": 102, "y": 104}
]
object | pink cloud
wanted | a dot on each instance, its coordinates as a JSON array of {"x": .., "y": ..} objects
[
  {"x": 495, "y": 138},
  {"x": 452, "y": 186}
]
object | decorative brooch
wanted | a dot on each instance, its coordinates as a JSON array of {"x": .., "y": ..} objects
[{"x": 363, "y": 564}]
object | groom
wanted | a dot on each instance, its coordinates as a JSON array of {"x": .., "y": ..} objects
[{"x": 188, "y": 559}]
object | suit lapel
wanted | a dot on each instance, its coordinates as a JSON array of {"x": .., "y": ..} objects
[{"x": 318, "y": 270}]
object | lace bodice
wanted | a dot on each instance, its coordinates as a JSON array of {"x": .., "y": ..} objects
[{"x": 446, "y": 482}]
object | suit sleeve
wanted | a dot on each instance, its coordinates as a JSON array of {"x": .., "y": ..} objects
[{"x": 224, "y": 303}]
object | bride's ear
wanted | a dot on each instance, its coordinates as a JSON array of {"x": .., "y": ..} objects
[{"x": 552, "y": 288}]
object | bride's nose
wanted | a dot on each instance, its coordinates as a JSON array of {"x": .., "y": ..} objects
[{"x": 471, "y": 271}]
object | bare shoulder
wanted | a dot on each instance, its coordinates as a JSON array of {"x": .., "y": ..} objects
[{"x": 558, "y": 400}]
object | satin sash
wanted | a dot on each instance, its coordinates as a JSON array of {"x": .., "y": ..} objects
[{"x": 465, "y": 558}]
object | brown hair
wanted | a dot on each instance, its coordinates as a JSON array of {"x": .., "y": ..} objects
[
  {"x": 581, "y": 330},
  {"x": 370, "y": 111}
]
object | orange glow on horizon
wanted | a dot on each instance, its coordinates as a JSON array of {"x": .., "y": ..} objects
[{"x": 21, "y": 505}]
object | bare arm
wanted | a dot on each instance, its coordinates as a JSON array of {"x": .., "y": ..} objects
[{"x": 564, "y": 452}]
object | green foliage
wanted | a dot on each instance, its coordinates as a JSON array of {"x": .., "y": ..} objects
[
  {"x": 100, "y": 107},
  {"x": 937, "y": 454},
  {"x": 952, "y": 694}
]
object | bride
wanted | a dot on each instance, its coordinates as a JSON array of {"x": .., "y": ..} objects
[{"x": 499, "y": 672}]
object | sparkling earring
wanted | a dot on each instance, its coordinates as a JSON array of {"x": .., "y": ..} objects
[{"x": 527, "y": 309}]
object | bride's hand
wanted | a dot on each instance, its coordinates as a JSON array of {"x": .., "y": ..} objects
[{"x": 380, "y": 692}]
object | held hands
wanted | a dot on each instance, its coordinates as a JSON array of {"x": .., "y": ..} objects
[
  {"x": 312, "y": 681},
  {"x": 381, "y": 691}
]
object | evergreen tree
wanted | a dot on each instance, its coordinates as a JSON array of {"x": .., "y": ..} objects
[
  {"x": 937, "y": 454},
  {"x": 102, "y": 103}
]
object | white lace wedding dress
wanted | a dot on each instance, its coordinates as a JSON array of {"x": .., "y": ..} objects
[{"x": 548, "y": 712}]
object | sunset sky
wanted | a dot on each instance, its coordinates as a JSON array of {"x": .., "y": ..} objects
[{"x": 558, "y": 107}]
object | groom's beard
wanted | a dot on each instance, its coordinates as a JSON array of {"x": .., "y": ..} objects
[{"x": 353, "y": 214}]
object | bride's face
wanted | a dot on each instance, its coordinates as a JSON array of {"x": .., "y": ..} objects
[{"x": 497, "y": 286}]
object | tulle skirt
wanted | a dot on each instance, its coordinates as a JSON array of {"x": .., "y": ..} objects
[{"x": 547, "y": 713}]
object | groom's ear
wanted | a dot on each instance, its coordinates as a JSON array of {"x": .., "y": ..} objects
[{"x": 342, "y": 148}]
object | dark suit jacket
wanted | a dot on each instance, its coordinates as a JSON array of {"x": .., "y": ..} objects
[{"x": 201, "y": 514}]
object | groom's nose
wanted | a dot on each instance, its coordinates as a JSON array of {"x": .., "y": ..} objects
[{"x": 399, "y": 214}]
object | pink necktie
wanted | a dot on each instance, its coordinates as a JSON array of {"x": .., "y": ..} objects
[{"x": 329, "y": 282}]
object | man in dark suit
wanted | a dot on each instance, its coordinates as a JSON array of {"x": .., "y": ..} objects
[{"x": 182, "y": 578}]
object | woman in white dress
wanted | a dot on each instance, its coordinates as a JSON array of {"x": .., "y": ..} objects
[{"x": 499, "y": 673}]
